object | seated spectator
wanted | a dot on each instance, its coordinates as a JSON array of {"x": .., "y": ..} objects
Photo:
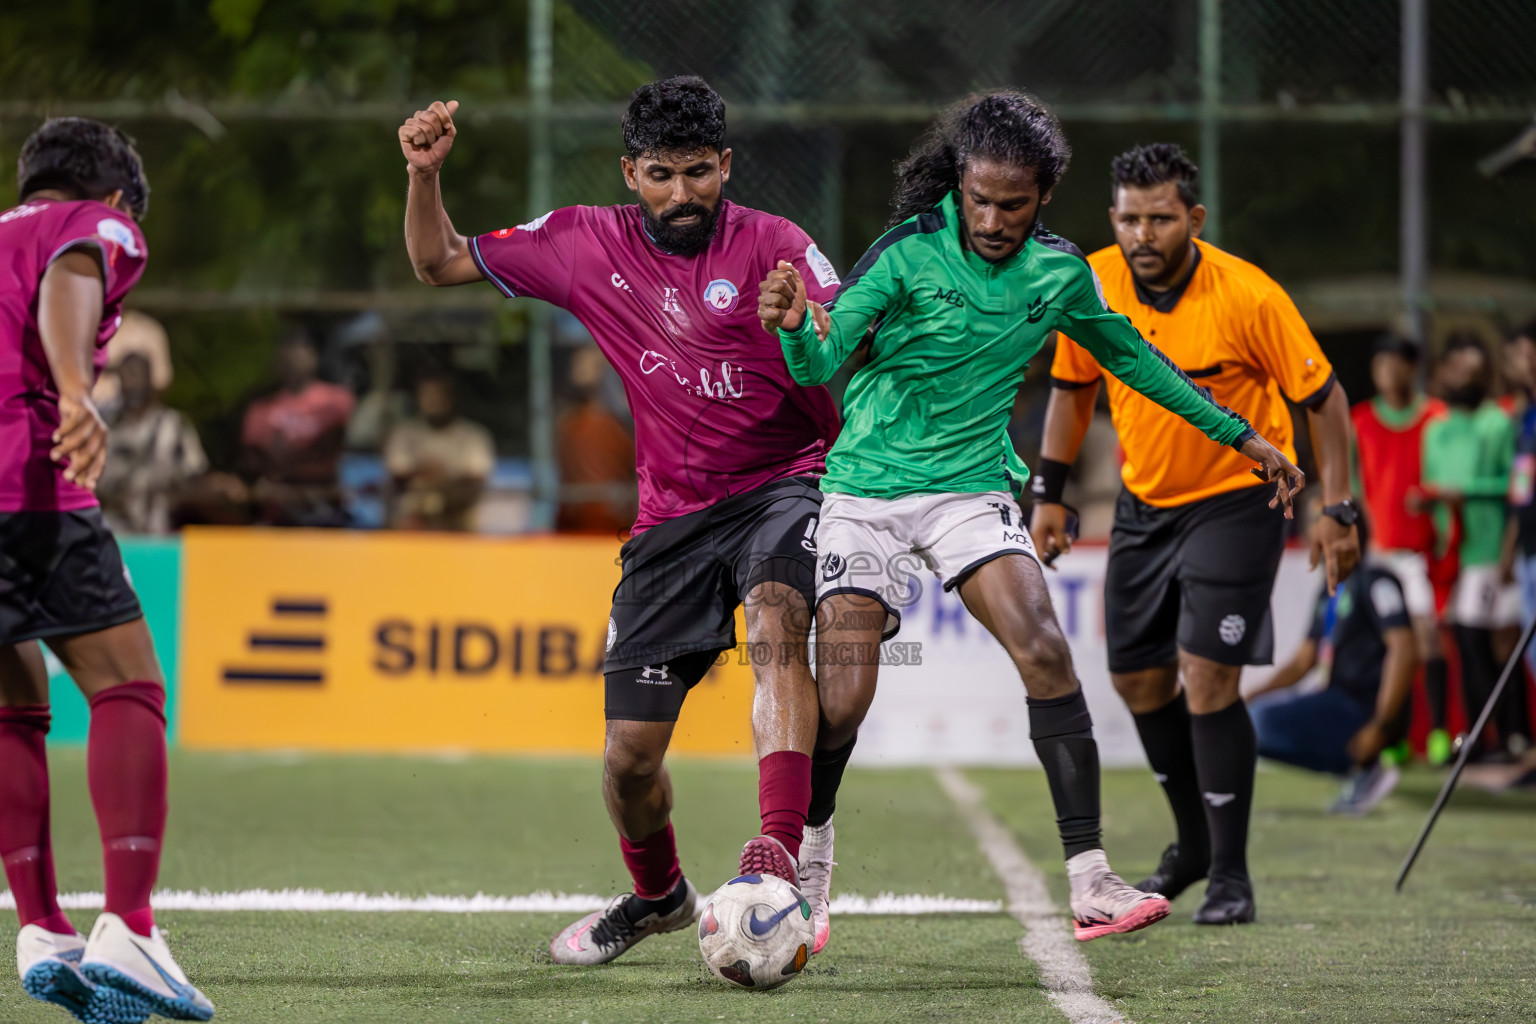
[
  {"x": 293, "y": 442},
  {"x": 1362, "y": 642},
  {"x": 596, "y": 456},
  {"x": 439, "y": 462},
  {"x": 152, "y": 454}
]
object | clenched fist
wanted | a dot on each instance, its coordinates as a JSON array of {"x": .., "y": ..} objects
[
  {"x": 427, "y": 136},
  {"x": 781, "y": 302}
]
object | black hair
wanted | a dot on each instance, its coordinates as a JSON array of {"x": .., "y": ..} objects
[
  {"x": 1007, "y": 126},
  {"x": 1160, "y": 162},
  {"x": 1459, "y": 341},
  {"x": 674, "y": 115},
  {"x": 1528, "y": 332},
  {"x": 85, "y": 158},
  {"x": 1397, "y": 345}
]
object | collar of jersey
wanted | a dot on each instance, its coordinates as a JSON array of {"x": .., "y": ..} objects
[{"x": 950, "y": 207}]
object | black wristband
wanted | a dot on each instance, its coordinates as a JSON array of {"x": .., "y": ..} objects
[{"x": 1049, "y": 481}]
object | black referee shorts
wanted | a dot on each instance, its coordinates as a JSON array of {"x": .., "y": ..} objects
[
  {"x": 674, "y": 609},
  {"x": 61, "y": 574},
  {"x": 1196, "y": 577}
]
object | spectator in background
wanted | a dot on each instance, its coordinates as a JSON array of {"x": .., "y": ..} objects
[
  {"x": 439, "y": 462},
  {"x": 596, "y": 456},
  {"x": 1362, "y": 642},
  {"x": 293, "y": 441},
  {"x": 1520, "y": 540},
  {"x": 1468, "y": 450},
  {"x": 1389, "y": 438},
  {"x": 152, "y": 453}
]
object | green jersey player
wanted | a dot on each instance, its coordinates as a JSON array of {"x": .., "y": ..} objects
[{"x": 960, "y": 294}]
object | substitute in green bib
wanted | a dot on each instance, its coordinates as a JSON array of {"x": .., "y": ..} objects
[{"x": 959, "y": 295}]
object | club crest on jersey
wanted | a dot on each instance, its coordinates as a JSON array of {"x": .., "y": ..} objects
[
  {"x": 117, "y": 232},
  {"x": 826, "y": 274},
  {"x": 720, "y": 296}
]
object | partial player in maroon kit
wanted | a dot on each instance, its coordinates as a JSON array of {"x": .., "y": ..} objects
[
  {"x": 728, "y": 452},
  {"x": 68, "y": 255}
]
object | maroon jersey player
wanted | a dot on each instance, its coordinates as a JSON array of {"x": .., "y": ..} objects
[
  {"x": 68, "y": 255},
  {"x": 728, "y": 449}
]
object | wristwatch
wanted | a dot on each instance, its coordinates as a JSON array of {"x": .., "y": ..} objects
[{"x": 1346, "y": 513}]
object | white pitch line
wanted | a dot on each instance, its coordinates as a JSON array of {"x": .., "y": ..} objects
[
  {"x": 312, "y": 900},
  {"x": 1047, "y": 940}
]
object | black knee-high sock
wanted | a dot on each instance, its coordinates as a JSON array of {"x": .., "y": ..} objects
[
  {"x": 1478, "y": 673},
  {"x": 1515, "y": 709},
  {"x": 1226, "y": 753},
  {"x": 1062, "y": 731},
  {"x": 1166, "y": 737},
  {"x": 1434, "y": 691},
  {"x": 826, "y": 776}
]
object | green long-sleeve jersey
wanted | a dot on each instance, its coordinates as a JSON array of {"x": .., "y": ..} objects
[
  {"x": 1471, "y": 452},
  {"x": 954, "y": 333}
]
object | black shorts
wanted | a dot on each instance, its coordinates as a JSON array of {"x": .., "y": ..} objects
[
  {"x": 61, "y": 574},
  {"x": 674, "y": 609},
  {"x": 1196, "y": 577}
]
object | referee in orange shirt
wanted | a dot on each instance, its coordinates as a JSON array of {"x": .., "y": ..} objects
[{"x": 1191, "y": 567}]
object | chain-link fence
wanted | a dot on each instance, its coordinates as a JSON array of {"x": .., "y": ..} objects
[{"x": 279, "y": 192}]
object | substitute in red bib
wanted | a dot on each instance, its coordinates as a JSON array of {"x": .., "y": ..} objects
[{"x": 1191, "y": 566}]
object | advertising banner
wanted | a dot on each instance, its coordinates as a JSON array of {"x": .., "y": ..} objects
[
  {"x": 341, "y": 641},
  {"x": 963, "y": 703},
  {"x": 328, "y": 640}
]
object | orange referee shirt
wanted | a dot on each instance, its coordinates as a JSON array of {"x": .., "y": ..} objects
[{"x": 1234, "y": 331}]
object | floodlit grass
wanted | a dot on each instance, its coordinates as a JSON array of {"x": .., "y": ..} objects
[{"x": 1333, "y": 943}]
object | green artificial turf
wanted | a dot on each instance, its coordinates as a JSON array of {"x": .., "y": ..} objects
[{"x": 1333, "y": 943}]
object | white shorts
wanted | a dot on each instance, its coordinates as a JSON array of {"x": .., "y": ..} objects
[
  {"x": 1482, "y": 600},
  {"x": 1412, "y": 570},
  {"x": 875, "y": 546}
]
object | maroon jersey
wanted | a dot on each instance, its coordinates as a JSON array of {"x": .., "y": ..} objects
[
  {"x": 32, "y": 236},
  {"x": 716, "y": 411}
]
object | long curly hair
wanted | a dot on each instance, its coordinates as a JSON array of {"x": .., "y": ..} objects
[{"x": 1007, "y": 126}]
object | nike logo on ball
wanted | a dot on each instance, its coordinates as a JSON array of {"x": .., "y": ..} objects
[{"x": 760, "y": 927}]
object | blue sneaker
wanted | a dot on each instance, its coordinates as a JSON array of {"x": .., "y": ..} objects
[{"x": 119, "y": 961}]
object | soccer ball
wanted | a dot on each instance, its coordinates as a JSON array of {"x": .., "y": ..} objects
[{"x": 756, "y": 931}]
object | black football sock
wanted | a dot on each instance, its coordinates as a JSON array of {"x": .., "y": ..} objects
[
  {"x": 826, "y": 777},
  {"x": 1166, "y": 737},
  {"x": 637, "y": 909},
  {"x": 1226, "y": 754},
  {"x": 1062, "y": 731},
  {"x": 1434, "y": 691},
  {"x": 1515, "y": 712},
  {"x": 1478, "y": 673}
]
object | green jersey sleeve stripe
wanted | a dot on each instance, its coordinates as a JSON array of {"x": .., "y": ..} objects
[{"x": 923, "y": 223}]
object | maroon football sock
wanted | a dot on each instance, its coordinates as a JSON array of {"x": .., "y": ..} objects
[
  {"x": 784, "y": 796},
  {"x": 125, "y": 765},
  {"x": 652, "y": 863},
  {"x": 25, "y": 845}
]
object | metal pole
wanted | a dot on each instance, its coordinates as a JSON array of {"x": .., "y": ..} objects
[
  {"x": 1514, "y": 667},
  {"x": 1414, "y": 200},
  {"x": 1210, "y": 117},
  {"x": 541, "y": 436}
]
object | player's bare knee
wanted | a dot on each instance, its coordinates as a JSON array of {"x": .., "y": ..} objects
[
  {"x": 1211, "y": 686},
  {"x": 1044, "y": 664},
  {"x": 633, "y": 753},
  {"x": 1147, "y": 690}
]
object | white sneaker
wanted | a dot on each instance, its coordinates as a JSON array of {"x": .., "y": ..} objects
[
  {"x": 118, "y": 959},
  {"x": 49, "y": 965},
  {"x": 816, "y": 879},
  {"x": 1103, "y": 904},
  {"x": 606, "y": 934}
]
